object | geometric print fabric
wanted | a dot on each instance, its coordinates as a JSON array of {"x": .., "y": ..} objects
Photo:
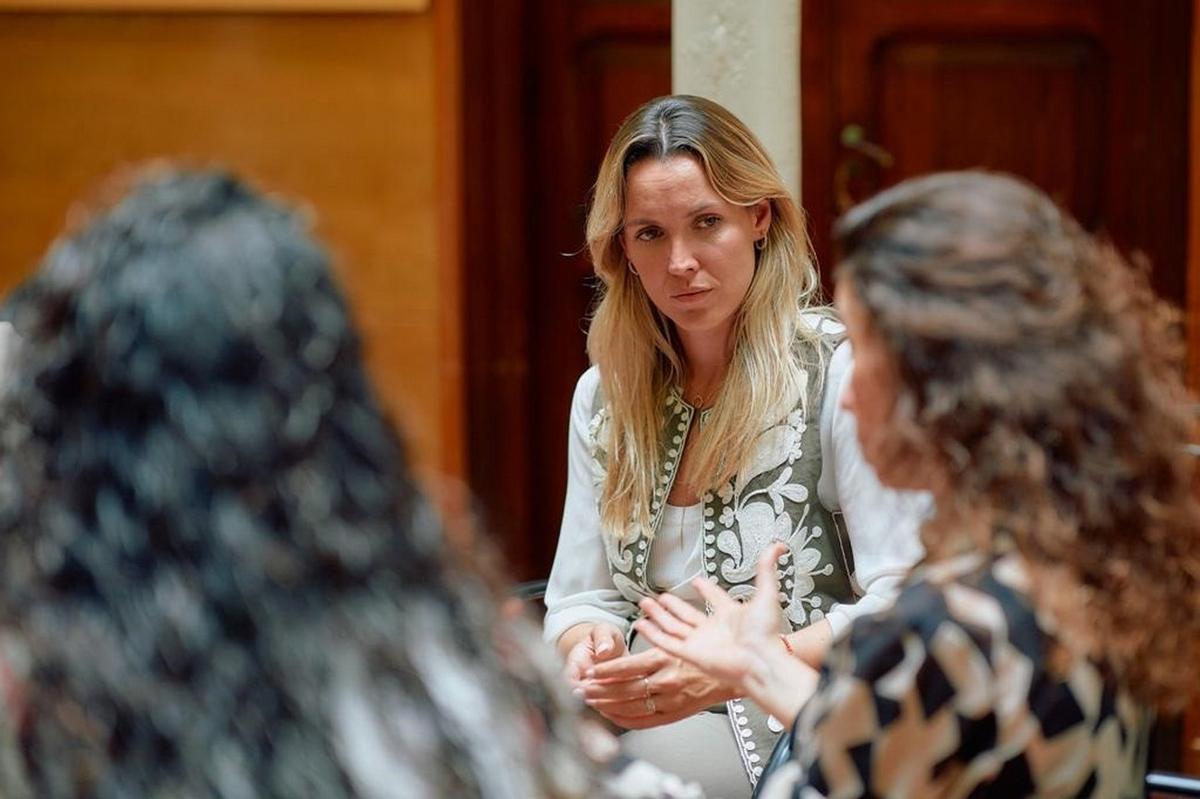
[{"x": 949, "y": 693}]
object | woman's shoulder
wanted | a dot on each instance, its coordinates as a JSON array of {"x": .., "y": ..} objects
[
  {"x": 821, "y": 322},
  {"x": 819, "y": 332},
  {"x": 931, "y": 620},
  {"x": 986, "y": 600},
  {"x": 588, "y": 382},
  {"x": 588, "y": 397},
  {"x": 821, "y": 345}
]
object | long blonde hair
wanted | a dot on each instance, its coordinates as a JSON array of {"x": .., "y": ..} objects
[
  {"x": 1044, "y": 375},
  {"x": 636, "y": 347}
]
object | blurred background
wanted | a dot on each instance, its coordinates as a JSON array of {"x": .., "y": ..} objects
[{"x": 447, "y": 147}]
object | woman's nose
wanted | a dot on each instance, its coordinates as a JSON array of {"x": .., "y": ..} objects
[{"x": 682, "y": 260}]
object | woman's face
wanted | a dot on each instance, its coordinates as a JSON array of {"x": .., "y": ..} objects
[
  {"x": 871, "y": 397},
  {"x": 693, "y": 250}
]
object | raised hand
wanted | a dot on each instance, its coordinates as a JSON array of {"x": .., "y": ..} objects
[
  {"x": 723, "y": 643},
  {"x": 737, "y": 643}
]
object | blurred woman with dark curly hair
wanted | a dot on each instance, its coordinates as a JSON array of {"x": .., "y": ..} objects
[
  {"x": 1019, "y": 369},
  {"x": 218, "y": 578}
]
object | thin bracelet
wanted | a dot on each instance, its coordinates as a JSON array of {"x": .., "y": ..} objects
[{"x": 787, "y": 644}]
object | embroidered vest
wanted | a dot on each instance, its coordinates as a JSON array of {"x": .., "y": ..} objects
[{"x": 773, "y": 498}]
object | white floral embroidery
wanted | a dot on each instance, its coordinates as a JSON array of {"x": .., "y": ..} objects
[
  {"x": 595, "y": 431},
  {"x": 770, "y": 452},
  {"x": 726, "y": 492},
  {"x": 804, "y": 567}
]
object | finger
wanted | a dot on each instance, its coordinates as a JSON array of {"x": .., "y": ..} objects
[
  {"x": 578, "y": 662},
  {"x": 575, "y": 673},
  {"x": 607, "y": 693},
  {"x": 631, "y": 715},
  {"x": 766, "y": 576},
  {"x": 665, "y": 620},
  {"x": 639, "y": 707},
  {"x": 685, "y": 611},
  {"x": 629, "y": 667},
  {"x": 607, "y": 642},
  {"x": 713, "y": 595},
  {"x": 655, "y": 635},
  {"x": 642, "y": 720}
]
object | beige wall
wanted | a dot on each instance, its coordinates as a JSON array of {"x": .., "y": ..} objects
[{"x": 342, "y": 111}]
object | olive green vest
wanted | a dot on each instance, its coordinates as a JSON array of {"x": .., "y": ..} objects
[{"x": 774, "y": 498}]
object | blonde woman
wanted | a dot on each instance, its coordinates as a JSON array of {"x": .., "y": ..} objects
[
  {"x": 709, "y": 428},
  {"x": 1021, "y": 371}
]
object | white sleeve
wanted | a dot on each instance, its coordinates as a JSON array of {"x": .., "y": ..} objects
[
  {"x": 883, "y": 524},
  {"x": 581, "y": 587}
]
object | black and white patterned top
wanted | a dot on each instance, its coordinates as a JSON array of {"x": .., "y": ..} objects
[{"x": 951, "y": 694}]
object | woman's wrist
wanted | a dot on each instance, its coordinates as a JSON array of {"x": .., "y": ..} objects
[
  {"x": 573, "y": 635},
  {"x": 782, "y": 681}
]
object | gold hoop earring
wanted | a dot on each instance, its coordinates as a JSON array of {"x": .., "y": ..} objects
[{"x": 633, "y": 268}]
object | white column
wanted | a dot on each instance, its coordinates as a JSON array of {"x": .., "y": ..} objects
[{"x": 745, "y": 55}]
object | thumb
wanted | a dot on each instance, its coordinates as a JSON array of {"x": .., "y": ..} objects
[{"x": 605, "y": 641}]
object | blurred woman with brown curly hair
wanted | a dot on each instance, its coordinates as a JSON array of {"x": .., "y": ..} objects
[{"x": 1019, "y": 369}]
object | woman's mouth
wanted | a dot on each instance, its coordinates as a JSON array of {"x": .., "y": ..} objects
[{"x": 691, "y": 296}]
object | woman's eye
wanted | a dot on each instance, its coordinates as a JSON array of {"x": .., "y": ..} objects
[
  {"x": 708, "y": 221},
  {"x": 647, "y": 234}
]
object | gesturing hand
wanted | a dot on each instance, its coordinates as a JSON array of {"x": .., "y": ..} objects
[
  {"x": 738, "y": 643},
  {"x": 724, "y": 643}
]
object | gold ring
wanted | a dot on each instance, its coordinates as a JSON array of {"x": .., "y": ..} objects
[
  {"x": 646, "y": 683},
  {"x": 650, "y": 707}
]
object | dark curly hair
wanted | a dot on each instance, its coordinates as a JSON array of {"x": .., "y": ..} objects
[
  {"x": 1042, "y": 374},
  {"x": 218, "y": 578}
]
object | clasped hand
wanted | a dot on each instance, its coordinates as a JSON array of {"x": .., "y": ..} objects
[
  {"x": 697, "y": 659},
  {"x": 638, "y": 691}
]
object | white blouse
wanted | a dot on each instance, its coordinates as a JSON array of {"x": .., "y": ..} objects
[
  {"x": 882, "y": 524},
  {"x": 675, "y": 557}
]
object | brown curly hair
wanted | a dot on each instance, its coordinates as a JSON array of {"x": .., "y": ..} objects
[{"x": 1043, "y": 376}]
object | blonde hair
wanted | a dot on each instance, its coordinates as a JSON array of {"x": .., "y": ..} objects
[
  {"x": 635, "y": 346},
  {"x": 1043, "y": 374}
]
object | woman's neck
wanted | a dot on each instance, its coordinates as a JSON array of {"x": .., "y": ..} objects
[{"x": 706, "y": 358}]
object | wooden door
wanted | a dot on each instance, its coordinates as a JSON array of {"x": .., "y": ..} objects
[
  {"x": 1086, "y": 98},
  {"x": 547, "y": 83}
]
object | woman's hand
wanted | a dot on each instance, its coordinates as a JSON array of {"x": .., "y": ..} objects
[
  {"x": 723, "y": 643},
  {"x": 649, "y": 689},
  {"x": 738, "y": 644},
  {"x": 589, "y": 644}
]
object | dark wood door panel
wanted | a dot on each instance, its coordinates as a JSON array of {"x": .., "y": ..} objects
[
  {"x": 610, "y": 58},
  {"x": 546, "y": 83},
  {"x": 1002, "y": 104},
  {"x": 1086, "y": 98}
]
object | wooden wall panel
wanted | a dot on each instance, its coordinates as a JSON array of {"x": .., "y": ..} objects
[
  {"x": 339, "y": 111},
  {"x": 252, "y": 6},
  {"x": 1194, "y": 244},
  {"x": 1191, "y": 724}
]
